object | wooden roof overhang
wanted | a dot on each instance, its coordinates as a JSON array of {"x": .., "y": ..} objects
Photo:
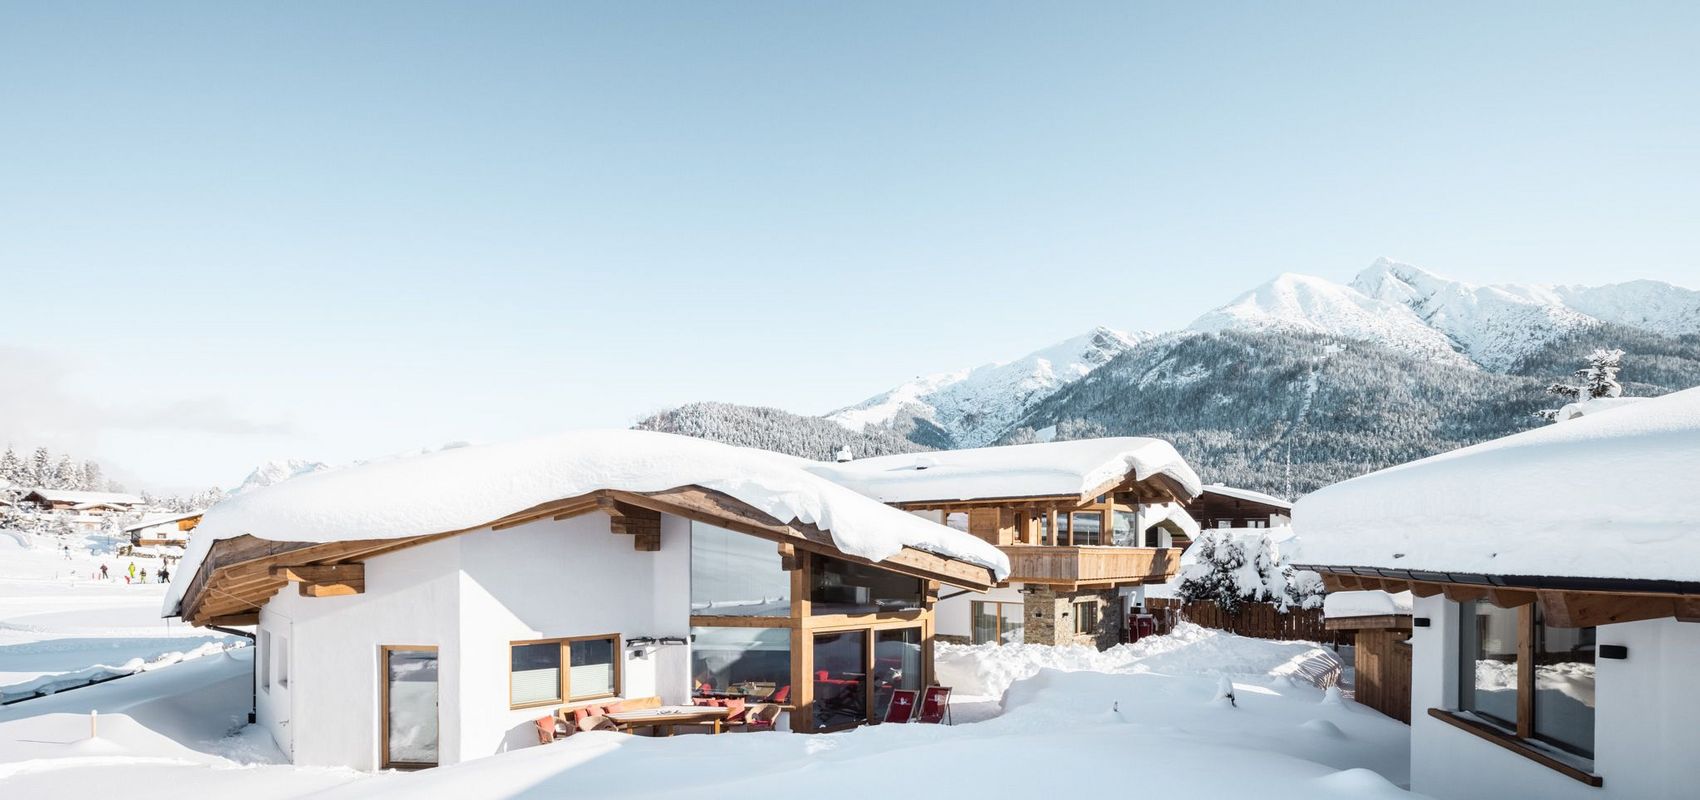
[
  {"x": 1158, "y": 488},
  {"x": 240, "y": 574},
  {"x": 1569, "y": 602}
]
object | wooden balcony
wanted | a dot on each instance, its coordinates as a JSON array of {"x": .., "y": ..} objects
[{"x": 1075, "y": 567}]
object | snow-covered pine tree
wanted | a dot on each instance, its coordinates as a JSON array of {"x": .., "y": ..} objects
[
  {"x": 93, "y": 480},
  {"x": 1597, "y": 380},
  {"x": 1214, "y": 575},
  {"x": 40, "y": 468},
  {"x": 12, "y": 467},
  {"x": 67, "y": 475}
]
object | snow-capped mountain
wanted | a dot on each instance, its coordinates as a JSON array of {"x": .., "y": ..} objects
[
  {"x": 1304, "y": 304},
  {"x": 278, "y": 471},
  {"x": 1417, "y": 312},
  {"x": 973, "y": 407}
]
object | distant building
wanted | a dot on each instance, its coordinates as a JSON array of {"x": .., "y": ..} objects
[
  {"x": 1230, "y": 507},
  {"x": 171, "y": 530},
  {"x": 95, "y": 503}
]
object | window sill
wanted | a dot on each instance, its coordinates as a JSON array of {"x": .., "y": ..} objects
[{"x": 1515, "y": 745}]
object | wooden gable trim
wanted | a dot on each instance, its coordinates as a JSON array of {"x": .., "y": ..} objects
[{"x": 237, "y": 576}]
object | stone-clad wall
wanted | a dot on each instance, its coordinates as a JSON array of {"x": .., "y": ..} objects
[{"x": 1050, "y": 616}]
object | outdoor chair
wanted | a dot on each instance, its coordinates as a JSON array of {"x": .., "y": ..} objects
[
  {"x": 762, "y": 717},
  {"x": 546, "y": 729},
  {"x": 935, "y": 705},
  {"x": 902, "y": 706}
]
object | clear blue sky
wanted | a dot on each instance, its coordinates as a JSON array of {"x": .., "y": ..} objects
[{"x": 237, "y": 231}]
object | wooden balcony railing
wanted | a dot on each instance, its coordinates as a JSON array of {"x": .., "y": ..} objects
[{"x": 1078, "y": 566}]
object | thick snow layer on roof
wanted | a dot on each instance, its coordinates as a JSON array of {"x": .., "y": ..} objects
[
  {"x": 1025, "y": 470},
  {"x": 1604, "y": 496},
  {"x": 1339, "y": 605},
  {"x": 1246, "y": 494},
  {"x": 70, "y": 496},
  {"x": 469, "y": 487}
]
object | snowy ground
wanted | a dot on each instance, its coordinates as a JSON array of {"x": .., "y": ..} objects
[
  {"x": 59, "y": 624},
  {"x": 1057, "y": 721}
]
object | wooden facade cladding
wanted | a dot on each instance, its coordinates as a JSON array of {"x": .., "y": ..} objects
[{"x": 1078, "y": 567}]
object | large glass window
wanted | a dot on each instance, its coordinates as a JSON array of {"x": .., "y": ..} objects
[
  {"x": 736, "y": 575},
  {"x": 410, "y": 707},
  {"x": 754, "y": 663},
  {"x": 1487, "y": 649},
  {"x": 897, "y": 665},
  {"x": 1062, "y": 530},
  {"x": 1087, "y": 527},
  {"x": 841, "y": 675},
  {"x": 998, "y": 623},
  {"x": 843, "y": 587},
  {"x": 1564, "y": 687},
  {"x": 1123, "y": 529}
]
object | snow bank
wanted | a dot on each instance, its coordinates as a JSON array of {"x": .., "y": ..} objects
[
  {"x": 1340, "y": 605},
  {"x": 51, "y": 684},
  {"x": 1603, "y": 496},
  {"x": 988, "y": 670},
  {"x": 1027, "y": 470},
  {"x": 469, "y": 487},
  {"x": 1594, "y": 405}
]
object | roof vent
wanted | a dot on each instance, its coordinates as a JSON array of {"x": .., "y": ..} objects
[{"x": 923, "y": 462}]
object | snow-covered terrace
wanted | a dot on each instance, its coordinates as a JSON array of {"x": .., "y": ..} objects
[
  {"x": 1079, "y": 469},
  {"x": 1597, "y": 502}
]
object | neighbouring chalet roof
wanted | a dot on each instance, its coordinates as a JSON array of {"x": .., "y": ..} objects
[
  {"x": 471, "y": 488},
  {"x": 80, "y": 498},
  {"x": 1582, "y": 408},
  {"x": 1078, "y": 469},
  {"x": 1608, "y": 498},
  {"x": 161, "y": 520},
  {"x": 1246, "y": 494}
]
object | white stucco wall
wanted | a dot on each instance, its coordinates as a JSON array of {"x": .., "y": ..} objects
[
  {"x": 470, "y": 596},
  {"x": 954, "y": 616},
  {"x": 1644, "y": 735}
]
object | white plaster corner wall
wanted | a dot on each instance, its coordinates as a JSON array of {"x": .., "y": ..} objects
[
  {"x": 336, "y": 674},
  {"x": 1644, "y": 719},
  {"x": 556, "y": 579},
  {"x": 672, "y": 609},
  {"x": 954, "y": 616}
]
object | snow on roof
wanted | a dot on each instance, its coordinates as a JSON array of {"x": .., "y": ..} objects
[
  {"x": 1341, "y": 605},
  {"x": 1025, "y": 470},
  {"x": 1582, "y": 408},
  {"x": 469, "y": 487},
  {"x": 1603, "y": 496},
  {"x": 1246, "y": 494},
  {"x": 161, "y": 519},
  {"x": 75, "y": 497}
]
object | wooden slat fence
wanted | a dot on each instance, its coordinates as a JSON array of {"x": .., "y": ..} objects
[{"x": 1260, "y": 620}]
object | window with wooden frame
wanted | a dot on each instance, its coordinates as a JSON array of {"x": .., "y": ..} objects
[
  {"x": 1526, "y": 685},
  {"x": 549, "y": 671},
  {"x": 1086, "y": 618},
  {"x": 996, "y": 622}
]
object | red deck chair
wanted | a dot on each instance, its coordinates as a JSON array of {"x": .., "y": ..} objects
[
  {"x": 935, "y": 705},
  {"x": 902, "y": 706}
]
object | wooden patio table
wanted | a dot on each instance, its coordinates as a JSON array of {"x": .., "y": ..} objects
[{"x": 670, "y": 716}]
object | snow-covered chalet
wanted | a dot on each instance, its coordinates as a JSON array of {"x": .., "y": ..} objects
[
  {"x": 1555, "y": 622},
  {"x": 427, "y": 610}
]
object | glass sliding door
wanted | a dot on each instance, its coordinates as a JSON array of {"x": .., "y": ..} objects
[
  {"x": 897, "y": 665},
  {"x": 841, "y": 679},
  {"x": 410, "y": 707}
]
